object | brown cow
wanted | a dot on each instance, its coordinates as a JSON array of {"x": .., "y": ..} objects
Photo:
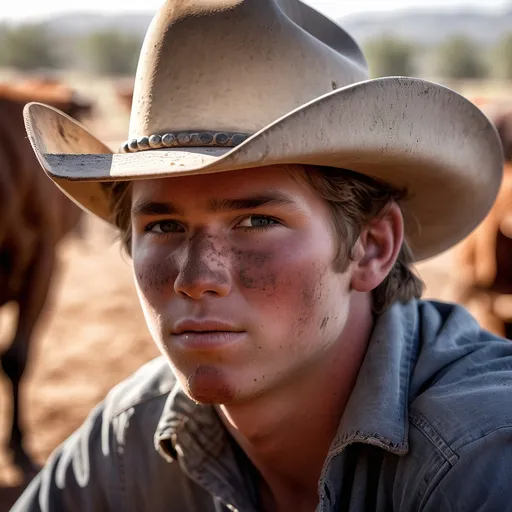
[
  {"x": 483, "y": 261},
  {"x": 34, "y": 216},
  {"x": 50, "y": 91}
]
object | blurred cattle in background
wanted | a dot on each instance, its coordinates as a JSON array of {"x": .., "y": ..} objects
[
  {"x": 483, "y": 261},
  {"x": 34, "y": 216},
  {"x": 124, "y": 93},
  {"x": 51, "y": 91}
]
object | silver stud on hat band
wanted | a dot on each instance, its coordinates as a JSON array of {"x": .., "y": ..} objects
[{"x": 184, "y": 139}]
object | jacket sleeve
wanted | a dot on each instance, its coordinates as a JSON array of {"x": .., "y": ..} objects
[
  {"x": 481, "y": 479},
  {"x": 81, "y": 475}
]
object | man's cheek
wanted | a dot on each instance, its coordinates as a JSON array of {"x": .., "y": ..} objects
[
  {"x": 290, "y": 284},
  {"x": 155, "y": 275},
  {"x": 257, "y": 272}
]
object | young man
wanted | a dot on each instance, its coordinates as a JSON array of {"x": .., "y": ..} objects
[{"x": 272, "y": 200}]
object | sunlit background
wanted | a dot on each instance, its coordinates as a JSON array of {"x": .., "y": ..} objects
[
  {"x": 441, "y": 39},
  {"x": 334, "y": 8}
]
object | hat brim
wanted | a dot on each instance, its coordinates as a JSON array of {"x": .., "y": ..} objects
[{"x": 405, "y": 131}]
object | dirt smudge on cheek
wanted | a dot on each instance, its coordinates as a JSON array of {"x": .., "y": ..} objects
[
  {"x": 246, "y": 279},
  {"x": 310, "y": 298},
  {"x": 255, "y": 271},
  {"x": 154, "y": 277},
  {"x": 308, "y": 294},
  {"x": 313, "y": 283}
]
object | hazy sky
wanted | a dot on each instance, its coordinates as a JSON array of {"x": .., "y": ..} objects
[{"x": 19, "y": 9}]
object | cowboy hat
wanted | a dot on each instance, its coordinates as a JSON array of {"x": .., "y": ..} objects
[{"x": 223, "y": 85}]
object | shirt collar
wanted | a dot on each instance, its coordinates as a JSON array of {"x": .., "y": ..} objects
[
  {"x": 187, "y": 426},
  {"x": 377, "y": 410}
]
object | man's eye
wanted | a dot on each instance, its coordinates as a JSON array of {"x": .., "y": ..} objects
[
  {"x": 165, "y": 226},
  {"x": 257, "y": 221}
]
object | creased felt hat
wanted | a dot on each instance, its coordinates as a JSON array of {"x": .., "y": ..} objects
[{"x": 223, "y": 85}]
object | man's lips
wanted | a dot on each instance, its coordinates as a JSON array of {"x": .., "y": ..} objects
[
  {"x": 203, "y": 326},
  {"x": 205, "y": 334}
]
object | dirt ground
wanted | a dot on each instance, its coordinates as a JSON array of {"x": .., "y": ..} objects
[{"x": 93, "y": 334}]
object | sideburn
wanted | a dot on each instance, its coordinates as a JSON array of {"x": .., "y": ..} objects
[{"x": 120, "y": 200}]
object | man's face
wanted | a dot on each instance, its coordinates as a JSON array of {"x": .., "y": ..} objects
[{"x": 236, "y": 279}]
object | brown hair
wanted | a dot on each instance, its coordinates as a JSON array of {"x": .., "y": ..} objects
[{"x": 354, "y": 200}]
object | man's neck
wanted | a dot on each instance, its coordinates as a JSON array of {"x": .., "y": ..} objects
[{"x": 287, "y": 433}]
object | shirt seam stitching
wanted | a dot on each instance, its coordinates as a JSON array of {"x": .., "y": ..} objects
[
  {"x": 425, "y": 500},
  {"x": 122, "y": 476},
  {"x": 430, "y": 432},
  {"x": 428, "y": 494}
]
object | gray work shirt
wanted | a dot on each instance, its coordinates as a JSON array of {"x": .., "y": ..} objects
[{"x": 428, "y": 427}]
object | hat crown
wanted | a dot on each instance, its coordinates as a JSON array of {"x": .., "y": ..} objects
[{"x": 237, "y": 65}]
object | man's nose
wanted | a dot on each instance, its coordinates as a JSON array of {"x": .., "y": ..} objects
[{"x": 204, "y": 269}]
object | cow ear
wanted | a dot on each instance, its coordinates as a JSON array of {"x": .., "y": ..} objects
[{"x": 50, "y": 131}]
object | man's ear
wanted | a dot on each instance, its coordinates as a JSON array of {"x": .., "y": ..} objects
[{"x": 377, "y": 249}]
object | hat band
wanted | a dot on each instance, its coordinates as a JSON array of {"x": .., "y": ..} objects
[{"x": 184, "y": 139}]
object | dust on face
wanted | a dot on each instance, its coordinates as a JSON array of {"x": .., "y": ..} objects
[{"x": 251, "y": 249}]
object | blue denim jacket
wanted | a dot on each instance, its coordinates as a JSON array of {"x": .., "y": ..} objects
[{"x": 428, "y": 428}]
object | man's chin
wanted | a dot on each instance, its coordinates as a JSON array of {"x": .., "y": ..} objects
[{"x": 209, "y": 385}]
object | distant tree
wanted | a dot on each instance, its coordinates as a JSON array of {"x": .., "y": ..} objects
[
  {"x": 3, "y": 35},
  {"x": 390, "y": 56},
  {"x": 111, "y": 52},
  {"x": 27, "y": 47},
  {"x": 460, "y": 58},
  {"x": 503, "y": 57}
]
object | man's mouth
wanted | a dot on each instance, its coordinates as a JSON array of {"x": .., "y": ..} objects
[
  {"x": 203, "y": 326},
  {"x": 206, "y": 334}
]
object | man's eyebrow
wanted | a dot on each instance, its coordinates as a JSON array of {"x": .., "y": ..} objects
[
  {"x": 153, "y": 208},
  {"x": 254, "y": 201}
]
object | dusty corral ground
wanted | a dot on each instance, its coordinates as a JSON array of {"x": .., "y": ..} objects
[{"x": 93, "y": 334}]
